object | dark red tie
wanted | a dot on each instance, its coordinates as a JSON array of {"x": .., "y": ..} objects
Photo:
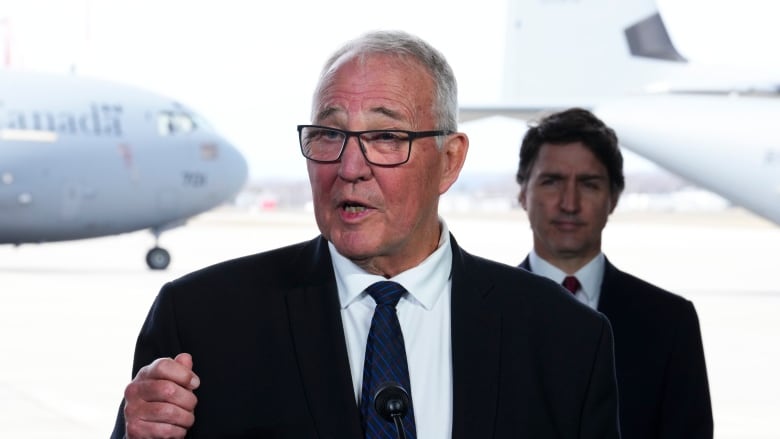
[{"x": 572, "y": 284}]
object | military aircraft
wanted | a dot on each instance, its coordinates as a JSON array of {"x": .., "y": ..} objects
[{"x": 83, "y": 158}]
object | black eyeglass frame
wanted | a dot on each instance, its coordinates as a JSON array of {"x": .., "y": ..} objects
[{"x": 413, "y": 135}]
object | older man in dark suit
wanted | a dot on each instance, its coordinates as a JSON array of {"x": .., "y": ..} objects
[
  {"x": 571, "y": 176},
  {"x": 304, "y": 341}
]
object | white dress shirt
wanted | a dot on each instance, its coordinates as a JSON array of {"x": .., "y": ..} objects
[
  {"x": 591, "y": 276},
  {"x": 424, "y": 315}
]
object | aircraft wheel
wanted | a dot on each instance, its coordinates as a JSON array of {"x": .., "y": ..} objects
[{"x": 158, "y": 258}]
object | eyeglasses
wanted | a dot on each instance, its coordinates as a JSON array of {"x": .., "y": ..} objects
[{"x": 380, "y": 147}]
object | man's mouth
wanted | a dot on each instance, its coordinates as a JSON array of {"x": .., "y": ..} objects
[
  {"x": 567, "y": 226},
  {"x": 353, "y": 208}
]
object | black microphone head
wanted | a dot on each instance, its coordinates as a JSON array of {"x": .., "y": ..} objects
[{"x": 391, "y": 400}]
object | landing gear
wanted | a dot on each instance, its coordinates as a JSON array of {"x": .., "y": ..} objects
[{"x": 158, "y": 258}]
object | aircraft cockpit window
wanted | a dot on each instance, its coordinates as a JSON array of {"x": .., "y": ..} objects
[
  {"x": 200, "y": 122},
  {"x": 170, "y": 123}
]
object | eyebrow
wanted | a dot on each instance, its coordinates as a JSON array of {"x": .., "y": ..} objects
[
  {"x": 592, "y": 177},
  {"x": 327, "y": 112},
  {"x": 381, "y": 110},
  {"x": 388, "y": 112}
]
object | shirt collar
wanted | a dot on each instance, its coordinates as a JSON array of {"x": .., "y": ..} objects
[
  {"x": 425, "y": 282},
  {"x": 591, "y": 275}
]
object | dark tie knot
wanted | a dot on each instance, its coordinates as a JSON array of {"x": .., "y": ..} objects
[
  {"x": 386, "y": 292},
  {"x": 572, "y": 284}
]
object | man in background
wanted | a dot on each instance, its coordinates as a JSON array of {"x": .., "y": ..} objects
[{"x": 571, "y": 177}]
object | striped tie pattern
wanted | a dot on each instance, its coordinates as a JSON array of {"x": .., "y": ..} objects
[{"x": 385, "y": 362}]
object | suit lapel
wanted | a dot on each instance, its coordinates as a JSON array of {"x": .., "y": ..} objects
[
  {"x": 526, "y": 264},
  {"x": 320, "y": 346},
  {"x": 609, "y": 299},
  {"x": 476, "y": 341}
]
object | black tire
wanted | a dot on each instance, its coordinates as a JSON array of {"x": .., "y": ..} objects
[{"x": 158, "y": 258}]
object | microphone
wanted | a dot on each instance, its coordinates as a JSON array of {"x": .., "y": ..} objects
[{"x": 392, "y": 403}]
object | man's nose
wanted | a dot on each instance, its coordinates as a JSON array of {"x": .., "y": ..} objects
[
  {"x": 353, "y": 161},
  {"x": 570, "y": 197}
]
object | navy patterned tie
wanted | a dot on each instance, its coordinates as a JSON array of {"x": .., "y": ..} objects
[{"x": 385, "y": 362}]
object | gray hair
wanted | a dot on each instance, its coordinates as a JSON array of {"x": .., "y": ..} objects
[{"x": 407, "y": 47}]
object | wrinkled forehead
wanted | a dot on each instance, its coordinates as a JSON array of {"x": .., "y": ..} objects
[
  {"x": 362, "y": 59},
  {"x": 391, "y": 70}
]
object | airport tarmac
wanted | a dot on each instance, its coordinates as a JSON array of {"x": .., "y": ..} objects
[{"x": 70, "y": 312}]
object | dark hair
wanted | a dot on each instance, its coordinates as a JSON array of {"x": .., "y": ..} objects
[{"x": 574, "y": 125}]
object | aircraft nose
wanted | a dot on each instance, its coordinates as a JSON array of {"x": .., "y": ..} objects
[{"x": 234, "y": 167}]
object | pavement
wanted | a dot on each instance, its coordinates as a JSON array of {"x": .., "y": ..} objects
[{"x": 70, "y": 312}]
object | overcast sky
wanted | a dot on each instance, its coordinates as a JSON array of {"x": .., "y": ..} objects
[{"x": 250, "y": 67}]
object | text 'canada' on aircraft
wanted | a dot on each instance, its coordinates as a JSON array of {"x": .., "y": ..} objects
[{"x": 83, "y": 158}]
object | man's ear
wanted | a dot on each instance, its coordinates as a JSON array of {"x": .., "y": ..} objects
[
  {"x": 614, "y": 198},
  {"x": 454, "y": 149},
  {"x": 522, "y": 197}
]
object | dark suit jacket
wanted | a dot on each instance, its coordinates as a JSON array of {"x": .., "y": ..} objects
[
  {"x": 662, "y": 376},
  {"x": 267, "y": 341}
]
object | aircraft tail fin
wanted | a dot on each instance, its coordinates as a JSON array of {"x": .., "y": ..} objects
[
  {"x": 649, "y": 38},
  {"x": 562, "y": 53}
]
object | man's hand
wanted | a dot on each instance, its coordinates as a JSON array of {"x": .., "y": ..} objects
[{"x": 159, "y": 402}]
